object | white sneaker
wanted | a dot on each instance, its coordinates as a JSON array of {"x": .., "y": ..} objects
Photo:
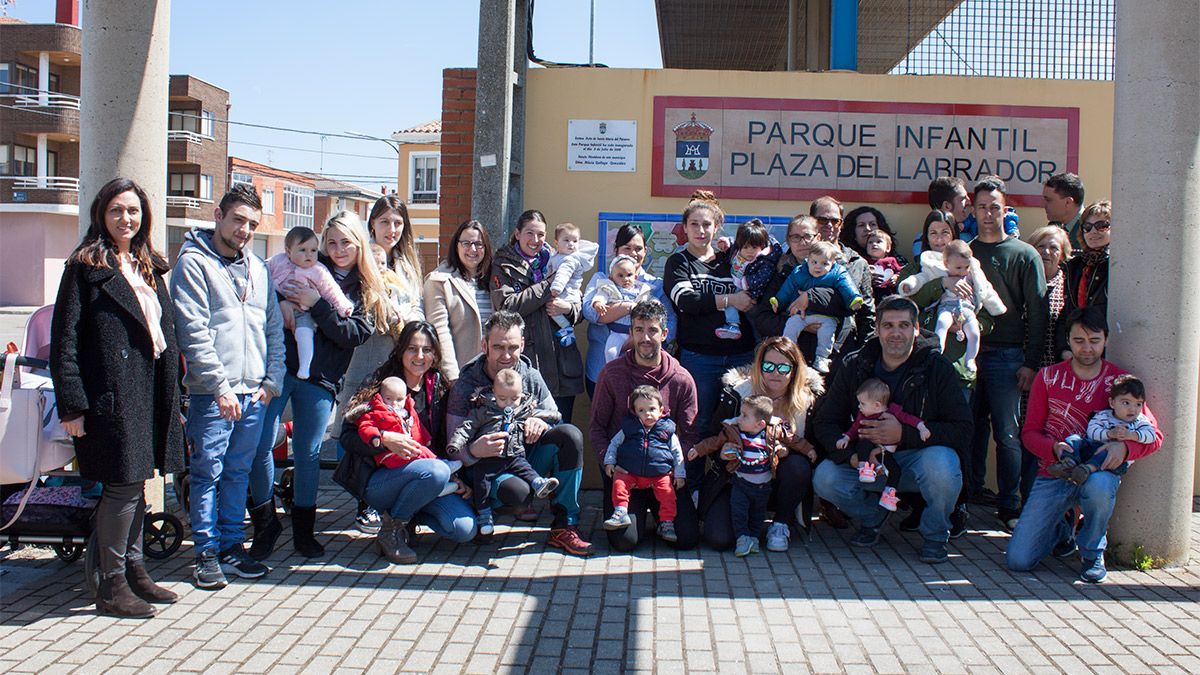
[{"x": 778, "y": 537}]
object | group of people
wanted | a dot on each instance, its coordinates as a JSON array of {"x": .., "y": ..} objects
[{"x": 455, "y": 391}]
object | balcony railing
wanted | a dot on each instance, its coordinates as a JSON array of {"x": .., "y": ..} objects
[
  {"x": 63, "y": 183},
  {"x": 185, "y": 135},
  {"x": 52, "y": 100},
  {"x": 186, "y": 202}
]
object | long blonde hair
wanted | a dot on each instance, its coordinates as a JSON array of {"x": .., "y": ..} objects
[
  {"x": 371, "y": 286},
  {"x": 800, "y": 396}
]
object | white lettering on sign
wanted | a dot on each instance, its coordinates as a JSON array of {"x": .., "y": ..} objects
[
  {"x": 799, "y": 149},
  {"x": 602, "y": 145}
]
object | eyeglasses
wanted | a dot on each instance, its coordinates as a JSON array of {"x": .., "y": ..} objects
[
  {"x": 471, "y": 244},
  {"x": 1100, "y": 225},
  {"x": 771, "y": 367},
  {"x": 802, "y": 238},
  {"x": 823, "y": 220}
]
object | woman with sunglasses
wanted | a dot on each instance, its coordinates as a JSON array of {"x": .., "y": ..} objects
[
  {"x": 1087, "y": 272},
  {"x": 780, "y": 373}
]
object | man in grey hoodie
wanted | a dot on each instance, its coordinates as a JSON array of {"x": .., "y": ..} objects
[{"x": 230, "y": 333}]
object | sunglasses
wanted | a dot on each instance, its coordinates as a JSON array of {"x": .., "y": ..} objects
[
  {"x": 822, "y": 220},
  {"x": 1098, "y": 225},
  {"x": 771, "y": 366}
]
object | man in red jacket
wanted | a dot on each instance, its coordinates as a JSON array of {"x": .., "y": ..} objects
[
  {"x": 645, "y": 363},
  {"x": 1064, "y": 396}
]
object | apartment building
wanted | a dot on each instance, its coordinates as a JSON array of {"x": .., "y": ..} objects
[
  {"x": 420, "y": 167},
  {"x": 39, "y": 154}
]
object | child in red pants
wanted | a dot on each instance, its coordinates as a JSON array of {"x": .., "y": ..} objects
[{"x": 645, "y": 453}]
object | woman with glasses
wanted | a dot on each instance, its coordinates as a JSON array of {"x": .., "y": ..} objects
[
  {"x": 1087, "y": 272},
  {"x": 457, "y": 298},
  {"x": 779, "y": 372}
]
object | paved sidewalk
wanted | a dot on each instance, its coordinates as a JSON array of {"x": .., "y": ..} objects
[{"x": 514, "y": 606}]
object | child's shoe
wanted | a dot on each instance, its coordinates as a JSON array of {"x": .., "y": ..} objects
[
  {"x": 866, "y": 472},
  {"x": 1063, "y": 467},
  {"x": 821, "y": 364},
  {"x": 543, "y": 487},
  {"x": 971, "y": 366},
  {"x": 889, "y": 499},
  {"x": 566, "y": 336},
  {"x": 730, "y": 331},
  {"x": 666, "y": 530},
  {"x": 856, "y": 303},
  {"x": 487, "y": 526},
  {"x": 620, "y": 519},
  {"x": 1080, "y": 473},
  {"x": 778, "y": 537},
  {"x": 745, "y": 546},
  {"x": 302, "y": 374}
]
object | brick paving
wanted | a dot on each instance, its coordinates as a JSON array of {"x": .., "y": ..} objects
[{"x": 514, "y": 606}]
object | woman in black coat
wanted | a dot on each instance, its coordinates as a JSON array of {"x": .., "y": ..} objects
[{"x": 115, "y": 366}]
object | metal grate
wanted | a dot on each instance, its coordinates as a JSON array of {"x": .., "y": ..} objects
[{"x": 1051, "y": 39}]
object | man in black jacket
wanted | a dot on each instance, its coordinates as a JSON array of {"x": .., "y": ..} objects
[{"x": 924, "y": 384}]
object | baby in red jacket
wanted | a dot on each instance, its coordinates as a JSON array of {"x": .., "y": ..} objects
[{"x": 392, "y": 410}]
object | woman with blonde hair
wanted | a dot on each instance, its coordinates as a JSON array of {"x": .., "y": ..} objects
[
  {"x": 779, "y": 372},
  {"x": 345, "y": 251}
]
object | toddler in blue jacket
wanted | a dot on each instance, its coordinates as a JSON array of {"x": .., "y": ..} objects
[
  {"x": 820, "y": 270},
  {"x": 645, "y": 454}
]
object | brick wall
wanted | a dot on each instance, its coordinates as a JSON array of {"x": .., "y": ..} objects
[{"x": 458, "y": 147}]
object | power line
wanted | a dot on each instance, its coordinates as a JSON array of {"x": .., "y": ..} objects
[{"x": 327, "y": 152}]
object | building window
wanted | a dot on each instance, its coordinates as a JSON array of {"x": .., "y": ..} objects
[
  {"x": 54, "y": 83},
  {"x": 206, "y": 187},
  {"x": 268, "y": 201},
  {"x": 5, "y": 78},
  {"x": 182, "y": 185},
  {"x": 4, "y": 171},
  {"x": 24, "y": 161},
  {"x": 206, "y": 123},
  {"x": 424, "y": 186},
  {"x": 239, "y": 178},
  {"x": 297, "y": 207},
  {"x": 25, "y": 79},
  {"x": 51, "y": 163}
]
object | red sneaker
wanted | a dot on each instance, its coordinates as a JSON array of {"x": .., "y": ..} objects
[{"x": 568, "y": 539}]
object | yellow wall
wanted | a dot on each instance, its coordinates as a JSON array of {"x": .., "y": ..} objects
[{"x": 558, "y": 95}]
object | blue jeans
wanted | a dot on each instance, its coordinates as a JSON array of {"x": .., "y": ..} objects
[
  {"x": 311, "y": 407},
  {"x": 748, "y": 506},
  {"x": 1042, "y": 525},
  {"x": 1087, "y": 451},
  {"x": 933, "y": 471},
  {"x": 222, "y": 452},
  {"x": 998, "y": 396},
  {"x": 707, "y": 371}
]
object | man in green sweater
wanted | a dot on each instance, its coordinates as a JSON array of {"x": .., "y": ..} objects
[{"x": 1010, "y": 354}]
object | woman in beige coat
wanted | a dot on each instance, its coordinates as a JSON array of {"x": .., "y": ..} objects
[{"x": 456, "y": 294}]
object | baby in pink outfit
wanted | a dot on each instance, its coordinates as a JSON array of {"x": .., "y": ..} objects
[{"x": 300, "y": 262}]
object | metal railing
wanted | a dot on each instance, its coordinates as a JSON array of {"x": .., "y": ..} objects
[
  {"x": 186, "y": 202},
  {"x": 51, "y": 100},
  {"x": 185, "y": 135},
  {"x": 64, "y": 183}
]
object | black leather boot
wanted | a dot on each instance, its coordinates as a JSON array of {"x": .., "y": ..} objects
[
  {"x": 116, "y": 598},
  {"x": 303, "y": 520},
  {"x": 144, "y": 587},
  {"x": 267, "y": 529}
]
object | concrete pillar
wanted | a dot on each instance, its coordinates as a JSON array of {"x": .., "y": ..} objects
[
  {"x": 43, "y": 78},
  {"x": 123, "y": 113},
  {"x": 1152, "y": 301},
  {"x": 123, "y": 102},
  {"x": 43, "y": 159},
  {"x": 497, "y": 190}
]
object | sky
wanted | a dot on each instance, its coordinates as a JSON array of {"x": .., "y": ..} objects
[{"x": 369, "y": 66}]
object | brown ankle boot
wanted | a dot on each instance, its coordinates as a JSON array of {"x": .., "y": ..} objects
[
  {"x": 116, "y": 598},
  {"x": 391, "y": 541},
  {"x": 144, "y": 587}
]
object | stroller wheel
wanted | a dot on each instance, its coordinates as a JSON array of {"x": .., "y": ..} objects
[
  {"x": 68, "y": 553},
  {"x": 284, "y": 489},
  {"x": 162, "y": 535},
  {"x": 91, "y": 566}
]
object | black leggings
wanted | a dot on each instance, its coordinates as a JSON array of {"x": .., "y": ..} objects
[
  {"x": 119, "y": 519},
  {"x": 792, "y": 488},
  {"x": 642, "y": 507},
  {"x": 485, "y": 472}
]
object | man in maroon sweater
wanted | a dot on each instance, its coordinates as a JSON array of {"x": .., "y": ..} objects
[{"x": 646, "y": 363}]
